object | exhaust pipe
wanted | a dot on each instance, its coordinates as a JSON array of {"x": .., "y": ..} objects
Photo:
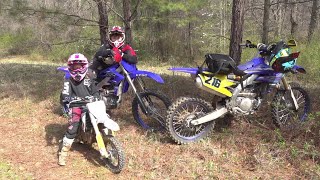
[{"x": 210, "y": 117}]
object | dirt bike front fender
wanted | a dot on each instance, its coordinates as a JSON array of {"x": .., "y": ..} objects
[
  {"x": 97, "y": 112},
  {"x": 299, "y": 69}
]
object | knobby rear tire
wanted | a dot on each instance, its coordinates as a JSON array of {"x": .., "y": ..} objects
[{"x": 178, "y": 120}]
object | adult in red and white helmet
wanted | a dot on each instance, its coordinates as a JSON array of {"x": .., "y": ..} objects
[
  {"x": 114, "y": 51},
  {"x": 116, "y": 36}
]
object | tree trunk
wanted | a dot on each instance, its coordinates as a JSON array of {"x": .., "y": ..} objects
[
  {"x": 190, "y": 48},
  {"x": 127, "y": 20},
  {"x": 103, "y": 20},
  {"x": 313, "y": 19},
  {"x": 265, "y": 23},
  {"x": 237, "y": 29},
  {"x": 293, "y": 21}
]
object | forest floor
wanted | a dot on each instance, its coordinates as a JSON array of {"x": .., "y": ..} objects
[{"x": 31, "y": 127}]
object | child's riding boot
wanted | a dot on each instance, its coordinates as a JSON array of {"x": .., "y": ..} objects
[{"x": 63, "y": 153}]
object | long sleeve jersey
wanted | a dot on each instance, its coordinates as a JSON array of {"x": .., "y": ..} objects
[
  {"x": 72, "y": 89},
  {"x": 104, "y": 51}
]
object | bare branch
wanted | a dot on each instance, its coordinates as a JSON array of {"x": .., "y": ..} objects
[
  {"x": 116, "y": 12},
  {"x": 135, "y": 11},
  {"x": 73, "y": 41},
  {"x": 285, "y": 2},
  {"x": 31, "y": 11},
  {"x": 258, "y": 6}
]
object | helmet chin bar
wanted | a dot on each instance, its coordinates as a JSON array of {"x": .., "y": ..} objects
[
  {"x": 118, "y": 43},
  {"x": 77, "y": 78}
]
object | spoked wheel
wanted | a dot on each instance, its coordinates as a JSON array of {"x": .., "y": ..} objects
[
  {"x": 116, "y": 160},
  {"x": 285, "y": 115},
  {"x": 179, "y": 118},
  {"x": 156, "y": 104}
]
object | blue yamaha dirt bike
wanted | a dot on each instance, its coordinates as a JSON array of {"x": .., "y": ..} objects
[
  {"x": 240, "y": 90},
  {"x": 148, "y": 106}
]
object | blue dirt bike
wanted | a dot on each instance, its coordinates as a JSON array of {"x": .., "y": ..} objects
[
  {"x": 240, "y": 90},
  {"x": 148, "y": 106}
]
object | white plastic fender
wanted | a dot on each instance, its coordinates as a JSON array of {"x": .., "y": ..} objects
[{"x": 97, "y": 111}]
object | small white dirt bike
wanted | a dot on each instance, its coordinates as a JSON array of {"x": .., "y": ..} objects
[{"x": 96, "y": 126}]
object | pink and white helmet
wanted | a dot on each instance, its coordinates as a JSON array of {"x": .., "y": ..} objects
[
  {"x": 116, "y": 36},
  {"x": 78, "y": 66}
]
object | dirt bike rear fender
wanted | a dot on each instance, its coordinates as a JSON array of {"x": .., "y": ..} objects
[{"x": 185, "y": 70}]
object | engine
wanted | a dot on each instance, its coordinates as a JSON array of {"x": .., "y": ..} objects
[
  {"x": 247, "y": 102},
  {"x": 109, "y": 98},
  {"x": 247, "y": 105}
]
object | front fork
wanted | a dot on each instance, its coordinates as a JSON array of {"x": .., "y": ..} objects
[
  {"x": 143, "y": 106},
  {"x": 287, "y": 87},
  {"x": 100, "y": 142}
]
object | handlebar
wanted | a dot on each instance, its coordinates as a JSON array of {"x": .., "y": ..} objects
[
  {"x": 78, "y": 100},
  {"x": 249, "y": 44},
  {"x": 263, "y": 49}
]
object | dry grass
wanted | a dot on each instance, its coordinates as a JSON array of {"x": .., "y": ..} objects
[{"x": 31, "y": 127}]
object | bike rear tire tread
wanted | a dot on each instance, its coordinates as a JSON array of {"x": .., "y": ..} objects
[{"x": 170, "y": 115}]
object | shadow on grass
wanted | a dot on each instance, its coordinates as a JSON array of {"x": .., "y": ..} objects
[
  {"x": 38, "y": 82},
  {"x": 54, "y": 135},
  {"x": 90, "y": 154}
]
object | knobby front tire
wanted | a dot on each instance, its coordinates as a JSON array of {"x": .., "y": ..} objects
[
  {"x": 157, "y": 105},
  {"x": 283, "y": 112},
  {"x": 115, "y": 163}
]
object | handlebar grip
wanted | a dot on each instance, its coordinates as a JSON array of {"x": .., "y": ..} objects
[
  {"x": 249, "y": 45},
  {"x": 261, "y": 46},
  {"x": 252, "y": 46}
]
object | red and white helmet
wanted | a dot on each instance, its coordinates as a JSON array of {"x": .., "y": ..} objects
[
  {"x": 78, "y": 66},
  {"x": 116, "y": 36}
]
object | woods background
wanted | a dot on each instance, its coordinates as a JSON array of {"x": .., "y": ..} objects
[
  {"x": 175, "y": 31},
  {"x": 37, "y": 36}
]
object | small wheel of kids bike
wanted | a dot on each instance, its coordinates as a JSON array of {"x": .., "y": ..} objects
[{"x": 116, "y": 160}]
